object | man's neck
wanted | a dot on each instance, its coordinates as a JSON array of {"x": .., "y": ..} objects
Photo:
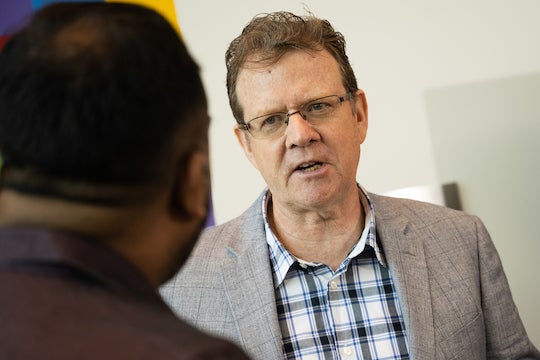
[
  {"x": 126, "y": 230},
  {"x": 322, "y": 236},
  {"x": 17, "y": 209}
]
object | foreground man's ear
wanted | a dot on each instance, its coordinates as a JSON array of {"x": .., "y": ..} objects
[{"x": 191, "y": 188}]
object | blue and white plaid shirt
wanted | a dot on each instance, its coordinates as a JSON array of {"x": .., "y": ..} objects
[{"x": 352, "y": 313}]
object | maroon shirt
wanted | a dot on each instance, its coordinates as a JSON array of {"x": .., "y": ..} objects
[{"x": 63, "y": 296}]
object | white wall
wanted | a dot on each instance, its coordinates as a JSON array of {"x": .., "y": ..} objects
[
  {"x": 399, "y": 50},
  {"x": 485, "y": 137}
]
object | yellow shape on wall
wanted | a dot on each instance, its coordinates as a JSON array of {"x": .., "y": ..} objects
[{"x": 165, "y": 7}]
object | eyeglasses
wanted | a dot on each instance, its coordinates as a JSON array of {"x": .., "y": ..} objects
[{"x": 314, "y": 112}]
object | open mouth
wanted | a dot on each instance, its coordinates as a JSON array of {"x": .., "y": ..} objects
[{"x": 309, "y": 167}]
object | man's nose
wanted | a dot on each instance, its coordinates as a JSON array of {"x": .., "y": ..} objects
[
  {"x": 299, "y": 131},
  {"x": 293, "y": 113}
]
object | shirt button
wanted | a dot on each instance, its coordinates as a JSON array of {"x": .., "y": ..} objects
[
  {"x": 333, "y": 285},
  {"x": 347, "y": 351}
]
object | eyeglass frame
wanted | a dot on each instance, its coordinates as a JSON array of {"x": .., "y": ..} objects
[{"x": 246, "y": 127}]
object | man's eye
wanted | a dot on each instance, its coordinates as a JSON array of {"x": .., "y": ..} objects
[
  {"x": 317, "y": 107},
  {"x": 270, "y": 121}
]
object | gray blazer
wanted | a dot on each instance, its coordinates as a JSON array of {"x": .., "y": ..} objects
[{"x": 448, "y": 275}]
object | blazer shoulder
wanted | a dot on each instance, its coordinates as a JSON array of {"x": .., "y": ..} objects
[
  {"x": 234, "y": 235},
  {"x": 390, "y": 207}
]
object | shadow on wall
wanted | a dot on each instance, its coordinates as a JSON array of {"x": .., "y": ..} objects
[
  {"x": 486, "y": 139},
  {"x": 444, "y": 195}
]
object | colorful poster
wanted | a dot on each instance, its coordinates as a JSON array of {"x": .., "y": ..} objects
[{"x": 15, "y": 13}]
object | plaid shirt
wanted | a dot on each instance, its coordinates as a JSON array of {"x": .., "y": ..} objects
[{"x": 352, "y": 313}]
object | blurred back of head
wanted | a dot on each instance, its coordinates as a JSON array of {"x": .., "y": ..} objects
[{"x": 97, "y": 94}]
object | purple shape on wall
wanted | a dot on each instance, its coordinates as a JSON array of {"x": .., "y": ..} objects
[
  {"x": 13, "y": 15},
  {"x": 210, "y": 221}
]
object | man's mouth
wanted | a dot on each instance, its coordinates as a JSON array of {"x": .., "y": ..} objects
[{"x": 309, "y": 167}]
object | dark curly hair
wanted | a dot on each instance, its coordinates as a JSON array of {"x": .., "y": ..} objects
[{"x": 97, "y": 93}]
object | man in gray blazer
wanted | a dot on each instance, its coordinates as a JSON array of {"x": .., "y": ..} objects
[{"x": 318, "y": 267}]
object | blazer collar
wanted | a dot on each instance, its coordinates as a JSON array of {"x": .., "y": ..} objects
[
  {"x": 405, "y": 255},
  {"x": 247, "y": 278}
]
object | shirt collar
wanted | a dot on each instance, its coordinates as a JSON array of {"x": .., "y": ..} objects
[
  {"x": 282, "y": 260},
  {"x": 90, "y": 257}
]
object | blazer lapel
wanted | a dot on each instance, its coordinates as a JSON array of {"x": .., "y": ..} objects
[
  {"x": 406, "y": 261},
  {"x": 248, "y": 282},
  {"x": 247, "y": 279}
]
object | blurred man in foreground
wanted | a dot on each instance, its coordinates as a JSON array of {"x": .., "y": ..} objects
[{"x": 103, "y": 135}]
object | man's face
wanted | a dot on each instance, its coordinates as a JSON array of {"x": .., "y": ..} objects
[
  {"x": 333, "y": 146},
  {"x": 191, "y": 190}
]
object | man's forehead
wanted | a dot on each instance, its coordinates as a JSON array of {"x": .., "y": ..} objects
[{"x": 297, "y": 77}]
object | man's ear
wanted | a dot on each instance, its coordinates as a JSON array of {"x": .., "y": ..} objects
[
  {"x": 361, "y": 114},
  {"x": 244, "y": 141},
  {"x": 191, "y": 188}
]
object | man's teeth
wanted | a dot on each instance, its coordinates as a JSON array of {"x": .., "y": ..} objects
[{"x": 309, "y": 167}]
